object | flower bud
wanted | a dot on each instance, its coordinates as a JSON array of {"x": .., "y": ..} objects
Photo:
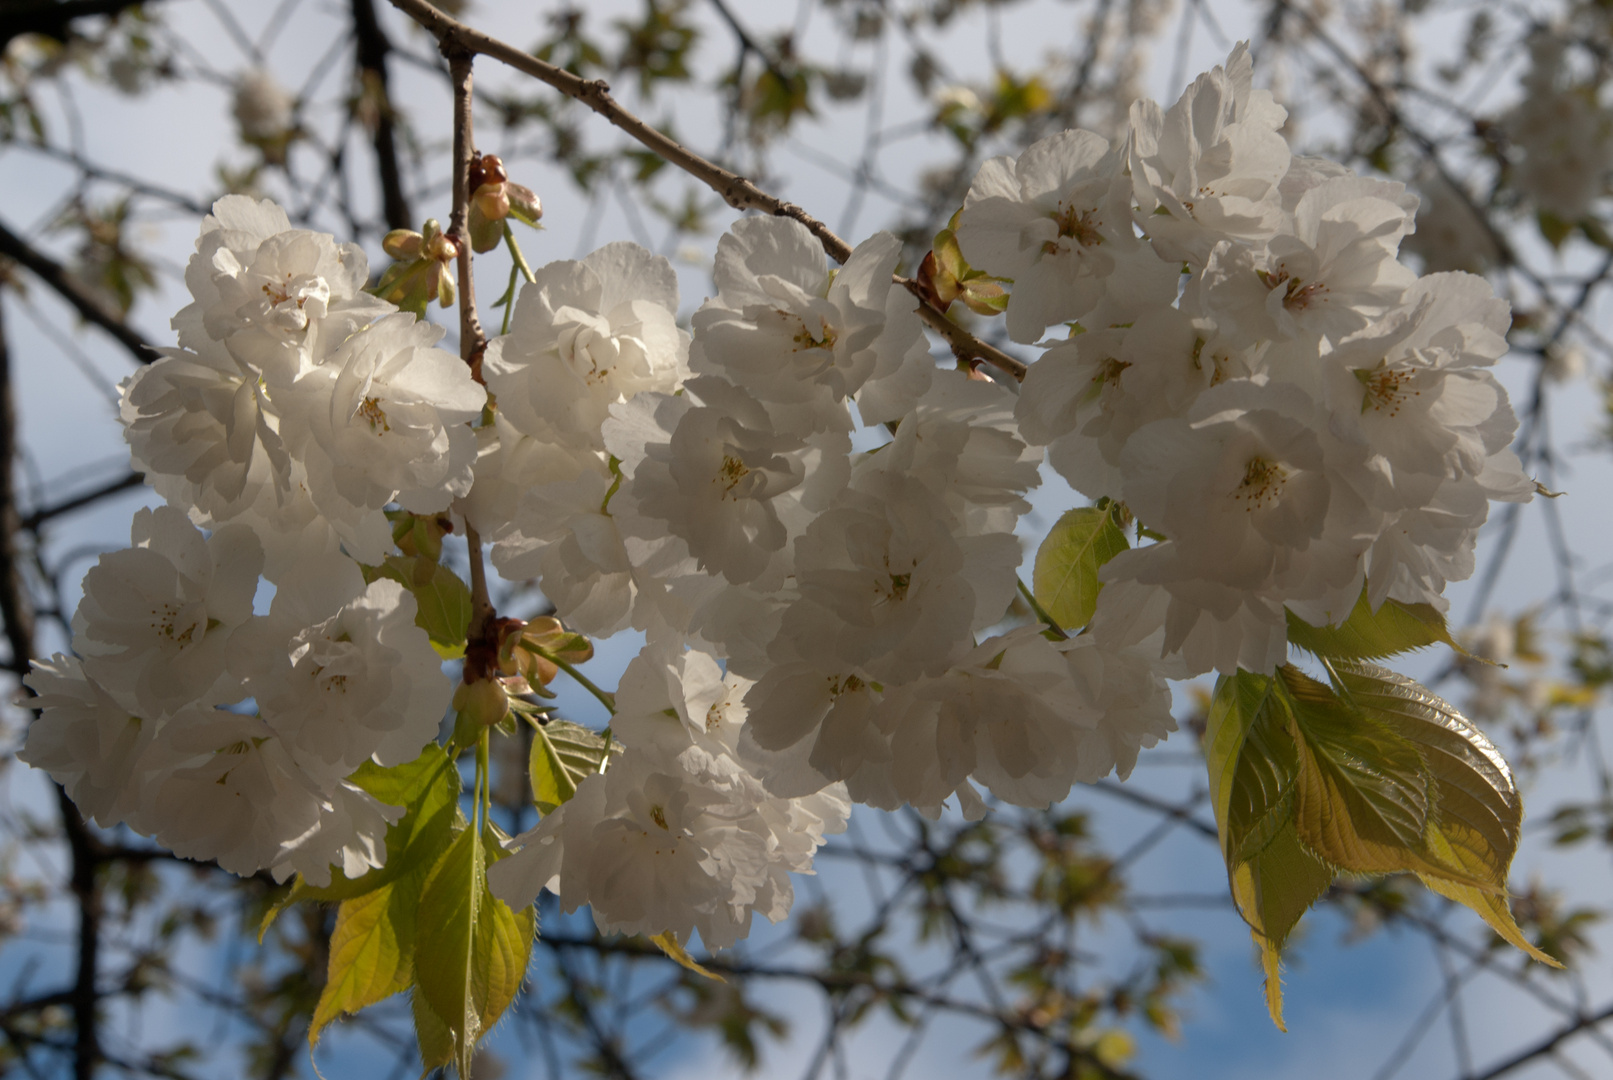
[
  {"x": 482, "y": 702},
  {"x": 524, "y": 204},
  {"x": 402, "y": 244}
]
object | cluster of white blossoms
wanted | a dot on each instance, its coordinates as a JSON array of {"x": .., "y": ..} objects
[
  {"x": 295, "y": 409},
  {"x": 1563, "y": 132},
  {"x": 814, "y": 526}
]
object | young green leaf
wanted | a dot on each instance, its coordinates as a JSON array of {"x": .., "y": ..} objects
[
  {"x": 446, "y": 942},
  {"x": 1371, "y": 635},
  {"x": 1479, "y": 814},
  {"x": 371, "y": 951},
  {"x": 442, "y": 599},
  {"x": 1361, "y": 796},
  {"x": 1065, "y": 578},
  {"x": 472, "y": 950},
  {"x": 431, "y": 1034},
  {"x": 563, "y": 754},
  {"x": 1253, "y": 767}
]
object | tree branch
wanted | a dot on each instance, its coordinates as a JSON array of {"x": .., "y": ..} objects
[
  {"x": 373, "y": 48},
  {"x": 735, "y": 190},
  {"x": 52, "y": 18},
  {"x": 87, "y": 304},
  {"x": 78, "y": 502},
  {"x": 16, "y": 607}
]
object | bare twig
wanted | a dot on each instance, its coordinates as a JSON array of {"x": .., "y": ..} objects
[{"x": 738, "y": 192}]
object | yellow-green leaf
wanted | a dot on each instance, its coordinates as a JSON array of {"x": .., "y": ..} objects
[
  {"x": 1361, "y": 797},
  {"x": 1065, "y": 579},
  {"x": 1253, "y": 769},
  {"x": 431, "y": 1034},
  {"x": 1371, "y": 635},
  {"x": 1493, "y": 909},
  {"x": 472, "y": 950},
  {"x": 668, "y": 943},
  {"x": 371, "y": 952},
  {"x": 1479, "y": 813},
  {"x": 563, "y": 755},
  {"x": 446, "y": 942}
]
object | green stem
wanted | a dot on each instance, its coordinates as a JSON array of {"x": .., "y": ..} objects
[
  {"x": 508, "y": 302},
  {"x": 515, "y": 253},
  {"x": 483, "y": 788},
  {"x": 1041, "y": 612},
  {"x": 606, "y": 698}
]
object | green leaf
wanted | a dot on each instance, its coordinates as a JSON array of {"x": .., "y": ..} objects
[
  {"x": 1361, "y": 798},
  {"x": 1065, "y": 579},
  {"x": 428, "y": 789},
  {"x": 1479, "y": 813},
  {"x": 1370, "y": 635},
  {"x": 563, "y": 755},
  {"x": 1373, "y": 774},
  {"x": 442, "y": 599},
  {"x": 371, "y": 951},
  {"x": 1253, "y": 768},
  {"x": 472, "y": 950},
  {"x": 446, "y": 945},
  {"x": 431, "y": 1034}
]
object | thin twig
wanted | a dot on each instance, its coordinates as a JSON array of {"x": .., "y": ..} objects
[{"x": 738, "y": 192}]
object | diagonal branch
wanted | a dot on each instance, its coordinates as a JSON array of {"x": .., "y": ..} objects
[
  {"x": 735, "y": 190},
  {"x": 86, "y": 303}
]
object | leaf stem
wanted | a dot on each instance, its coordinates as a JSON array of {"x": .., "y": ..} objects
[
  {"x": 1041, "y": 612},
  {"x": 515, "y": 252},
  {"x": 606, "y": 698}
]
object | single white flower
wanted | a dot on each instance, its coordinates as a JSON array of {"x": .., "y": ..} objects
[
  {"x": 1207, "y": 169},
  {"x": 1058, "y": 222},
  {"x": 342, "y": 687},
  {"x": 155, "y": 623},
  {"x": 88, "y": 742},
  {"x": 586, "y": 335},
  {"x": 385, "y": 419},
  {"x": 791, "y": 332}
]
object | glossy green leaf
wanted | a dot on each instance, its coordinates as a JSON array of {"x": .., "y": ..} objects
[
  {"x": 1065, "y": 579},
  {"x": 1478, "y": 819},
  {"x": 1361, "y": 797},
  {"x": 442, "y": 599},
  {"x": 428, "y": 789},
  {"x": 563, "y": 755},
  {"x": 446, "y": 946},
  {"x": 1371, "y": 635},
  {"x": 1253, "y": 767}
]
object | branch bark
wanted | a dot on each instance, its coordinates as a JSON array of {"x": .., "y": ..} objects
[
  {"x": 373, "y": 47},
  {"x": 736, "y": 191},
  {"x": 16, "y": 607},
  {"x": 87, "y": 304}
]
